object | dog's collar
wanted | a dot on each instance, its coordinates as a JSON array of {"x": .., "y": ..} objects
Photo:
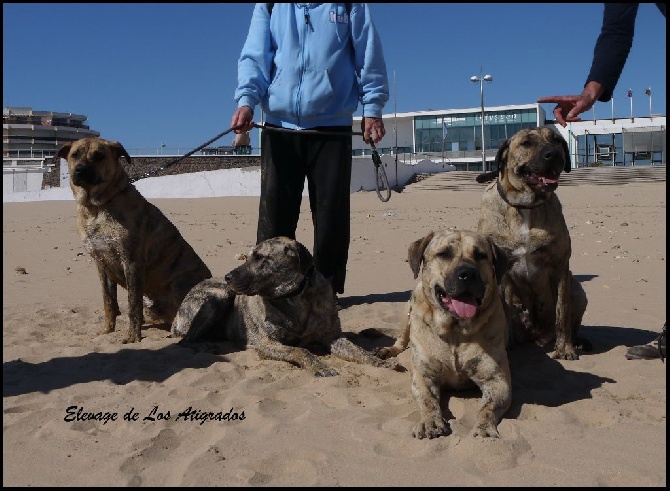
[
  {"x": 300, "y": 289},
  {"x": 503, "y": 195}
]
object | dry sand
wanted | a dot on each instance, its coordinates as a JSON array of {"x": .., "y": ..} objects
[{"x": 596, "y": 421}]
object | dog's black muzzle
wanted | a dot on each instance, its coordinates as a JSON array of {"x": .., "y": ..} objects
[
  {"x": 85, "y": 174},
  {"x": 543, "y": 173},
  {"x": 465, "y": 280}
]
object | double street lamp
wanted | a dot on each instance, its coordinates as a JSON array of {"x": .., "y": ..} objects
[{"x": 481, "y": 79}]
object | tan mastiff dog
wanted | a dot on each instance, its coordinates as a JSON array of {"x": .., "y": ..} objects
[
  {"x": 457, "y": 329},
  {"x": 133, "y": 244},
  {"x": 523, "y": 216}
]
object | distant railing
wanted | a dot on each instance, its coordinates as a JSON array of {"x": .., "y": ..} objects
[
  {"x": 28, "y": 153},
  {"x": 179, "y": 151}
]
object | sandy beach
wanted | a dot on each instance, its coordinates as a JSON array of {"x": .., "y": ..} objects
[{"x": 596, "y": 421}]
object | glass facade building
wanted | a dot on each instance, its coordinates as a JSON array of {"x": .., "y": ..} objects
[
  {"x": 454, "y": 136},
  {"x": 461, "y": 132}
]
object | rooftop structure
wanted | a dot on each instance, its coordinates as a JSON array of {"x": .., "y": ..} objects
[{"x": 39, "y": 134}]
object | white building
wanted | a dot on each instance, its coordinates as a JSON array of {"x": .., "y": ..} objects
[
  {"x": 454, "y": 136},
  {"x": 29, "y": 141},
  {"x": 38, "y": 134}
]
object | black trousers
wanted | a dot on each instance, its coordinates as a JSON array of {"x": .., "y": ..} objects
[{"x": 325, "y": 160}]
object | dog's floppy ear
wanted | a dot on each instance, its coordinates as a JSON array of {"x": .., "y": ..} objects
[
  {"x": 119, "y": 151},
  {"x": 305, "y": 257},
  {"x": 501, "y": 263},
  {"x": 501, "y": 159},
  {"x": 566, "y": 151},
  {"x": 415, "y": 253},
  {"x": 501, "y": 156},
  {"x": 64, "y": 150}
]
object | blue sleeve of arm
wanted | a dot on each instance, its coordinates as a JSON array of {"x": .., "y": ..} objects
[
  {"x": 255, "y": 63},
  {"x": 369, "y": 61},
  {"x": 613, "y": 45}
]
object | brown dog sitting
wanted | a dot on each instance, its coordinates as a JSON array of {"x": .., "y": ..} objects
[
  {"x": 278, "y": 304},
  {"x": 133, "y": 244},
  {"x": 523, "y": 216},
  {"x": 456, "y": 329}
]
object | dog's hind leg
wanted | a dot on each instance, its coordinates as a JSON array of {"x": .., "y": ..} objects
[
  {"x": 578, "y": 303},
  {"x": 109, "y": 299},
  {"x": 564, "y": 349},
  {"x": 345, "y": 349},
  {"x": 301, "y": 357}
]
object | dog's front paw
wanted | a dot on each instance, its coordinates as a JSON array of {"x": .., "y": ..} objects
[
  {"x": 431, "y": 427},
  {"x": 393, "y": 365},
  {"x": 387, "y": 352},
  {"x": 132, "y": 337},
  {"x": 486, "y": 430},
  {"x": 325, "y": 372},
  {"x": 108, "y": 327},
  {"x": 565, "y": 353}
]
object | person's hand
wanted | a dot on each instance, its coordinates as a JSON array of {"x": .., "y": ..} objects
[
  {"x": 373, "y": 128},
  {"x": 244, "y": 116},
  {"x": 569, "y": 107}
]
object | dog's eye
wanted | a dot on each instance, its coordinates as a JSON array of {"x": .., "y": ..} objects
[
  {"x": 446, "y": 254},
  {"x": 480, "y": 255},
  {"x": 76, "y": 154},
  {"x": 96, "y": 156}
]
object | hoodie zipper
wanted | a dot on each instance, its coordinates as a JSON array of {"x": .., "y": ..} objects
[{"x": 302, "y": 54}]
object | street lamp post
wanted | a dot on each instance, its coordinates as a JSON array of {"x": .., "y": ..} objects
[{"x": 481, "y": 79}]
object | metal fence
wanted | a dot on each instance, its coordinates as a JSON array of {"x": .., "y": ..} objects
[{"x": 633, "y": 146}]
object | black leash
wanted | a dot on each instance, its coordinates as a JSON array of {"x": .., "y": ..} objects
[
  {"x": 179, "y": 159},
  {"x": 381, "y": 180}
]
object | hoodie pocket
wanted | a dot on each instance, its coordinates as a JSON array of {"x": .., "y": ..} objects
[{"x": 316, "y": 95}]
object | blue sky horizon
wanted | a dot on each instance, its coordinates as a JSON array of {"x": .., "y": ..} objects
[{"x": 165, "y": 73}]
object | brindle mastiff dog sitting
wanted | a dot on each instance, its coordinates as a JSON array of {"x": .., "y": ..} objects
[
  {"x": 133, "y": 244},
  {"x": 457, "y": 329},
  {"x": 522, "y": 214},
  {"x": 278, "y": 304}
]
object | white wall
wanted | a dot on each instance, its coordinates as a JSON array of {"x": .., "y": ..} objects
[
  {"x": 244, "y": 181},
  {"x": 17, "y": 179}
]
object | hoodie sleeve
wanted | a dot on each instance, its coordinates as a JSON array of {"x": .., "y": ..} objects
[
  {"x": 255, "y": 63},
  {"x": 369, "y": 61},
  {"x": 613, "y": 45}
]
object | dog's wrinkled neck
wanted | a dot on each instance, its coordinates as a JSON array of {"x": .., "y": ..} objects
[
  {"x": 503, "y": 195},
  {"x": 300, "y": 289}
]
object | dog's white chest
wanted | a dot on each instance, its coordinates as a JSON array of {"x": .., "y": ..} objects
[{"x": 523, "y": 263}]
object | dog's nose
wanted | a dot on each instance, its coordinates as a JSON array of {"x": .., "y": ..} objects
[
  {"x": 228, "y": 277},
  {"x": 549, "y": 154},
  {"x": 83, "y": 174},
  {"x": 466, "y": 274}
]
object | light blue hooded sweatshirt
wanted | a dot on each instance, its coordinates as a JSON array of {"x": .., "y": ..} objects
[{"x": 310, "y": 64}]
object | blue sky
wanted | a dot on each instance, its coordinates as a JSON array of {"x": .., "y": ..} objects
[{"x": 166, "y": 72}]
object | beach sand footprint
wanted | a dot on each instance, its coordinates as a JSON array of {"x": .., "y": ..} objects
[{"x": 159, "y": 448}]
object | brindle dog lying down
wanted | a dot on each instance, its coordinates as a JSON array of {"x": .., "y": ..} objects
[{"x": 278, "y": 304}]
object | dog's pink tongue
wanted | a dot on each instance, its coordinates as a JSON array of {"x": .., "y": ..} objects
[
  {"x": 465, "y": 307},
  {"x": 548, "y": 180}
]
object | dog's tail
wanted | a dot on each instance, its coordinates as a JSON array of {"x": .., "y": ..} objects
[{"x": 487, "y": 176}]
